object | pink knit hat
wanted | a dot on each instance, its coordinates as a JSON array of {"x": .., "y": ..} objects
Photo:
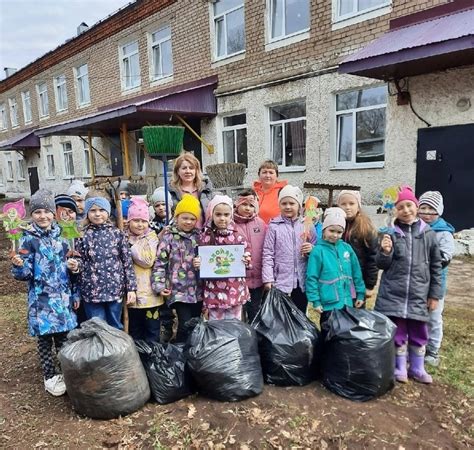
[
  {"x": 138, "y": 209},
  {"x": 355, "y": 194},
  {"x": 217, "y": 200},
  {"x": 406, "y": 193}
]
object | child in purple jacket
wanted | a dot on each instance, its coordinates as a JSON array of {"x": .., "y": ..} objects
[
  {"x": 285, "y": 252},
  {"x": 253, "y": 229}
]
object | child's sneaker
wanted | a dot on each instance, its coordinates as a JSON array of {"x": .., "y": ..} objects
[
  {"x": 432, "y": 359},
  {"x": 55, "y": 385}
]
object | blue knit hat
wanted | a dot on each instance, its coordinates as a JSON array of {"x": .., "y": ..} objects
[{"x": 101, "y": 202}]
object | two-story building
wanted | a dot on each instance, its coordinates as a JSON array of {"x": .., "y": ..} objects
[{"x": 368, "y": 93}]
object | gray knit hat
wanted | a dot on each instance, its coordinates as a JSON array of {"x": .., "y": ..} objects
[
  {"x": 42, "y": 199},
  {"x": 433, "y": 199}
]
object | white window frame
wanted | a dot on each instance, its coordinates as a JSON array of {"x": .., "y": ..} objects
[
  {"x": 68, "y": 173},
  {"x": 60, "y": 93},
  {"x": 21, "y": 163},
  {"x": 9, "y": 166},
  {"x": 283, "y": 167},
  {"x": 87, "y": 154},
  {"x": 151, "y": 54},
  {"x": 43, "y": 100},
  {"x": 13, "y": 107},
  {"x": 2, "y": 179},
  {"x": 344, "y": 20},
  {"x": 234, "y": 129},
  {"x": 284, "y": 39},
  {"x": 83, "y": 98},
  {"x": 126, "y": 59},
  {"x": 223, "y": 16},
  {"x": 352, "y": 164},
  {"x": 3, "y": 117},
  {"x": 26, "y": 101},
  {"x": 49, "y": 155}
]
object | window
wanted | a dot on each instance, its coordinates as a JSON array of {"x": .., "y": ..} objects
[
  {"x": 360, "y": 127},
  {"x": 288, "y": 134},
  {"x": 234, "y": 138},
  {"x": 3, "y": 117},
  {"x": 349, "y": 8},
  {"x": 2, "y": 181},
  {"x": 130, "y": 66},
  {"x": 161, "y": 54},
  {"x": 229, "y": 27},
  {"x": 61, "y": 93},
  {"x": 8, "y": 157},
  {"x": 50, "y": 169},
  {"x": 87, "y": 157},
  {"x": 21, "y": 167},
  {"x": 43, "y": 104},
  {"x": 68, "y": 160},
  {"x": 141, "y": 161},
  {"x": 25, "y": 97},
  {"x": 82, "y": 85},
  {"x": 288, "y": 17},
  {"x": 13, "y": 111}
]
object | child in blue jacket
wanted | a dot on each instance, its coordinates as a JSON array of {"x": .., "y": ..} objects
[{"x": 334, "y": 278}]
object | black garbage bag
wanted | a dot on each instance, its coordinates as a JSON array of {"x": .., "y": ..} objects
[
  {"x": 222, "y": 356},
  {"x": 359, "y": 353},
  {"x": 165, "y": 366},
  {"x": 289, "y": 343},
  {"x": 102, "y": 371}
]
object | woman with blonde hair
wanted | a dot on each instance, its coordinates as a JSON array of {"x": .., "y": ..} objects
[{"x": 188, "y": 178}]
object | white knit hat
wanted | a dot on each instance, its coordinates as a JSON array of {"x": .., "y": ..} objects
[
  {"x": 334, "y": 216},
  {"x": 78, "y": 189},
  {"x": 433, "y": 199},
  {"x": 355, "y": 194},
  {"x": 293, "y": 192}
]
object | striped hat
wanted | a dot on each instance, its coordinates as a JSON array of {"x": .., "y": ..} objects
[
  {"x": 66, "y": 201},
  {"x": 433, "y": 199}
]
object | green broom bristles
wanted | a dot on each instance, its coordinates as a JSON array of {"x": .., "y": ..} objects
[{"x": 163, "y": 139}]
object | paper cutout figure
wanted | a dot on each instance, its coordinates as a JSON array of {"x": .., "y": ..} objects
[
  {"x": 311, "y": 215},
  {"x": 13, "y": 215},
  {"x": 389, "y": 197},
  {"x": 68, "y": 226}
]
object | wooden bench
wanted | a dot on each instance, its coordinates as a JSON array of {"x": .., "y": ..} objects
[{"x": 330, "y": 188}]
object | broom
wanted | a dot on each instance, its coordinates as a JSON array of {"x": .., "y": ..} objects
[{"x": 226, "y": 174}]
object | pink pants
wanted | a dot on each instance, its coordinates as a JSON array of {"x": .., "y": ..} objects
[{"x": 230, "y": 313}]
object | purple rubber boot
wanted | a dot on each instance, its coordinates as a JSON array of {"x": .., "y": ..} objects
[
  {"x": 417, "y": 365},
  {"x": 401, "y": 364}
]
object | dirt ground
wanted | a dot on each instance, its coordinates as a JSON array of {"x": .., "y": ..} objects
[{"x": 410, "y": 416}]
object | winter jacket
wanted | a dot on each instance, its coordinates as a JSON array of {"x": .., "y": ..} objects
[
  {"x": 174, "y": 269},
  {"x": 143, "y": 251},
  {"x": 412, "y": 272},
  {"x": 444, "y": 234},
  {"x": 268, "y": 200},
  {"x": 157, "y": 224},
  {"x": 253, "y": 230},
  {"x": 106, "y": 267},
  {"x": 204, "y": 196},
  {"x": 282, "y": 263},
  {"x": 50, "y": 291},
  {"x": 224, "y": 293},
  {"x": 334, "y": 278},
  {"x": 365, "y": 254}
]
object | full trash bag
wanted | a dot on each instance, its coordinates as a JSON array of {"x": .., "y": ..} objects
[
  {"x": 222, "y": 356},
  {"x": 165, "y": 366},
  {"x": 102, "y": 370},
  {"x": 289, "y": 343},
  {"x": 359, "y": 353}
]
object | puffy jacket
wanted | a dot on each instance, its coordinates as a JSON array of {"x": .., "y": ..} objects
[
  {"x": 444, "y": 234},
  {"x": 106, "y": 264},
  {"x": 412, "y": 272},
  {"x": 365, "y": 254},
  {"x": 174, "y": 266},
  {"x": 268, "y": 200},
  {"x": 282, "y": 263},
  {"x": 143, "y": 250},
  {"x": 334, "y": 277},
  {"x": 253, "y": 230},
  {"x": 50, "y": 291}
]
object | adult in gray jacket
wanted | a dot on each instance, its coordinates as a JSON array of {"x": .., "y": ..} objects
[{"x": 410, "y": 286}]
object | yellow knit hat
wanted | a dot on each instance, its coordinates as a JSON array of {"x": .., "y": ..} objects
[{"x": 188, "y": 204}]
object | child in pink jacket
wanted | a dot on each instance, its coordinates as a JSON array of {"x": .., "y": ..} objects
[{"x": 253, "y": 229}]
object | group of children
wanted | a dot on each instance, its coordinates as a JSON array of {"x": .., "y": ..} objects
[{"x": 151, "y": 266}]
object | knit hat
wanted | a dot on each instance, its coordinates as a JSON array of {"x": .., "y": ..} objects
[
  {"x": 188, "y": 204},
  {"x": 252, "y": 199},
  {"x": 42, "y": 199},
  {"x": 433, "y": 199},
  {"x": 217, "y": 200},
  {"x": 138, "y": 209},
  {"x": 159, "y": 196},
  {"x": 122, "y": 186},
  {"x": 293, "y": 192},
  {"x": 66, "y": 201},
  {"x": 406, "y": 193},
  {"x": 77, "y": 188},
  {"x": 334, "y": 216},
  {"x": 355, "y": 194},
  {"x": 101, "y": 202}
]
